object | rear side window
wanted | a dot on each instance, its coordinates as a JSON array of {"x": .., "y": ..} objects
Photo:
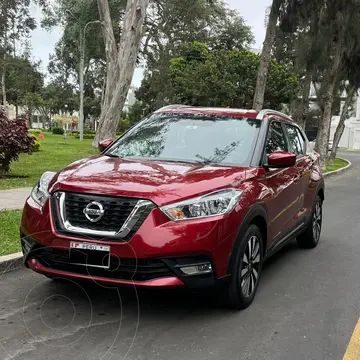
[
  {"x": 276, "y": 139},
  {"x": 296, "y": 140}
]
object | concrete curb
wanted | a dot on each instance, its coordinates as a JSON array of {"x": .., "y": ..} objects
[
  {"x": 11, "y": 262},
  {"x": 339, "y": 171},
  {"x": 15, "y": 261}
]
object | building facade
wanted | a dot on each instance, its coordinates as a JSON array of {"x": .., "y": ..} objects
[{"x": 351, "y": 135}]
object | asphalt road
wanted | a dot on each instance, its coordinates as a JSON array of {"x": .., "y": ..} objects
[{"x": 307, "y": 306}]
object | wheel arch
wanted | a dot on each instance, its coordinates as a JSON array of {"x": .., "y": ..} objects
[
  {"x": 321, "y": 193},
  {"x": 258, "y": 216}
]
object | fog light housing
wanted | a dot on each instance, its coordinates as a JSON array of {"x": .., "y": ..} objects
[{"x": 199, "y": 269}]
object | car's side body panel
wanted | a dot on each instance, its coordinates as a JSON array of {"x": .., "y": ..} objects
[{"x": 287, "y": 194}]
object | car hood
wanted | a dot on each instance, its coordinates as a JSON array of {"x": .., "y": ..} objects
[{"x": 159, "y": 181}]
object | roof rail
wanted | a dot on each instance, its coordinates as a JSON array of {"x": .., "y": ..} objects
[
  {"x": 174, "y": 106},
  {"x": 265, "y": 112}
]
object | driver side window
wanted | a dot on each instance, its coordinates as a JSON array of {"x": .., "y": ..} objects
[
  {"x": 276, "y": 140},
  {"x": 297, "y": 143}
]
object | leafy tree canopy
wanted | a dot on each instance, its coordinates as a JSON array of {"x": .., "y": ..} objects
[
  {"x": 224, "y": 78},
  {"x": 169, "y": 25},
  {"x": 23, "y": 77}
]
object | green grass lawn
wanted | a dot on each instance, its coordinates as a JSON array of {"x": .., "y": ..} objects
[
  {"x": 9, "y": 232},
  {"x": 338, "y": 164},
  {"x": 54, "y": 154}
]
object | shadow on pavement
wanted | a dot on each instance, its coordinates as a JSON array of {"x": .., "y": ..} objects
[{"x": 162, "y": 300}]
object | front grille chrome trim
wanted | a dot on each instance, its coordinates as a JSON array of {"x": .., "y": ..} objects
[{"x": 125, "y": 229}]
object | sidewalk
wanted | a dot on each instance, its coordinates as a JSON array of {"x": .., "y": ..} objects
[{"x": 13, "y": 198}]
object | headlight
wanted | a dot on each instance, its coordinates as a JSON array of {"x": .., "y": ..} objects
[
  {"x": 40, "y": 192},
  {"x": 217, "y": 203}
]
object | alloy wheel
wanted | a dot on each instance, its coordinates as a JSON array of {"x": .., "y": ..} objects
[
  {"x": 249, "y": 273},
  {"x": 317, "y": 220}
]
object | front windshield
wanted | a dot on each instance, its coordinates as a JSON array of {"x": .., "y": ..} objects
[{"x": 190, "y": 138}]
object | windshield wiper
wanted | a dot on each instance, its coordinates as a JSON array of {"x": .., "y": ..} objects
[
  {"x": 112, "y": 155},
  {"x": 205, "y": 161}
]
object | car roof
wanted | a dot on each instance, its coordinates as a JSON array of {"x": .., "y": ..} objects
[
  {"x": 221, "y": 111},
  {"x": 183, "y": 109}
]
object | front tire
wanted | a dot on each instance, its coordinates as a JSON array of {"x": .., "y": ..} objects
[
  {"x": 310, "y": 238},
  {"x": 246, "y": 269}
]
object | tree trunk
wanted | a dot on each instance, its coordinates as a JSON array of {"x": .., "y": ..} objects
[
  {"x": 30, "y": 120},
  {"x": 3, "y": 75},
  {"x": 341, "y": 125},
  {"x": 299, "y": 108},
  {"x": 112, "y": 70},
  {"x": 3, "y": 78},
  {"x": 103, "y": 93},
  {"x": 266, "y": 56},
  {"x": 330, "y": 80},
  {"x": 305, "y": 99},
  {"x": 121, "y": 66}
]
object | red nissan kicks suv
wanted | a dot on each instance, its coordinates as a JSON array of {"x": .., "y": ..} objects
[{"x": 188, "y": 197}]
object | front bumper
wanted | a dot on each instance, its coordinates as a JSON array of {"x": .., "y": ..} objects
[
  {"x": 151, "y": 258},
  {"x": 142, "y": 272},
  {"x": 36, "y": 265}
]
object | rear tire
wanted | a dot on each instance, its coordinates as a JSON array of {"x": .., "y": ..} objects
[
  {"x": 310, "y": 238},
  {"x": 246, "y": 269}
]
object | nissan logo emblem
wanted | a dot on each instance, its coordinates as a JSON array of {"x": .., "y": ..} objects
[{"x": 94, "y": 211}]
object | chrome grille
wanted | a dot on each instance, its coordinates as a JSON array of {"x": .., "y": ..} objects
[
  {"x": 116, "y": 211},
  {"x": 120, "y": 216}
]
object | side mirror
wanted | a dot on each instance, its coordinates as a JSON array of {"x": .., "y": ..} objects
[
  {"x": 104, "y": 144},
  {"x": 281, "y": 159}
]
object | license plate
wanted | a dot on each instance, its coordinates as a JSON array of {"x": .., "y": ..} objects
[{"x": 89, "y": 254}]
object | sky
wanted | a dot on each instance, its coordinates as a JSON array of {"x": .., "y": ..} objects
[{"x": 253, "y": 12}]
